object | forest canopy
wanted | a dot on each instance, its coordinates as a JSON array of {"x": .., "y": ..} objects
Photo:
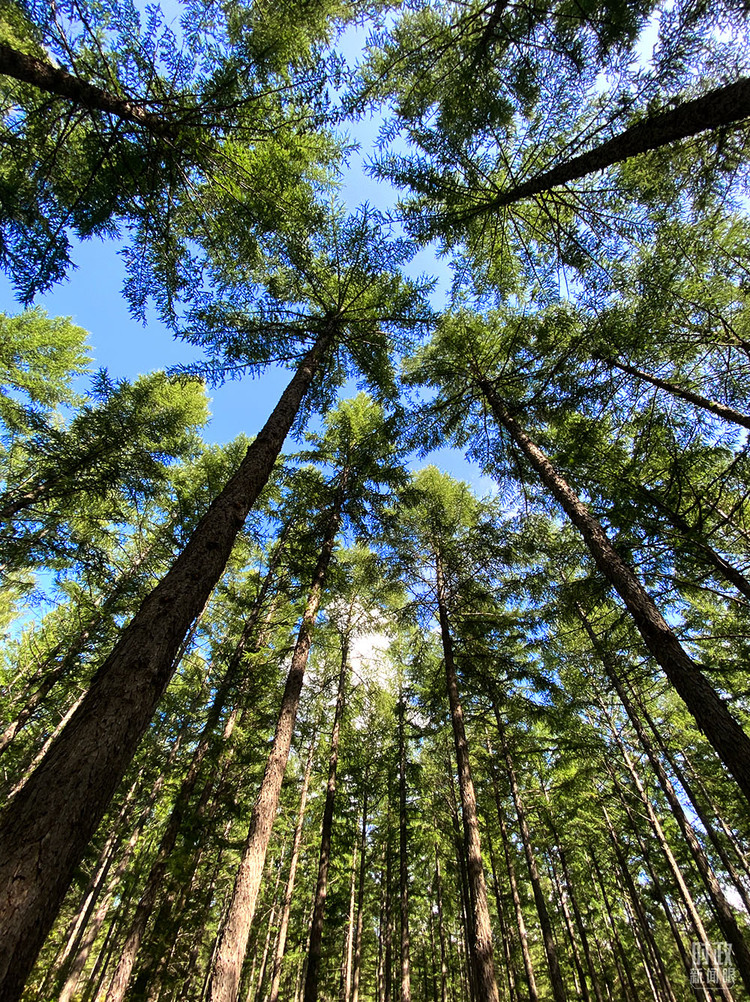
[{"x": 301, "y": 715}]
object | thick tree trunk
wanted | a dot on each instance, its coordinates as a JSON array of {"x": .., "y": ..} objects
[
  {"x": 46, "y": 829},
  {"x": 316, "y": 928},
  {"x": 550, "y": 947},
  {"x": 483, "y": 958},
  {"x": 725, "y": 106},
  {"x": 729, "y": 740},
  {"x": 154, "y": 886},
  {"x": 286, "y": 907},
  {"x": 720, "y": 410},
  {"x": 232, "y": 943},
  {"x": 403, "y": 859},
  {"x": 55, "y": 80}
]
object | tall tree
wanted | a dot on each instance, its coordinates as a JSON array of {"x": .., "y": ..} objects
[{"x": 354, "y": 289}]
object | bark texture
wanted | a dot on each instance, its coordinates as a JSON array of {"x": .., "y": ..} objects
[
  {"x": 45, "y": 831},
  {"x": 56, "y": 80},
  {"x": 729, "y": 740},
  {"x": 484, "y": 964},
  {"x": 724, "y": 106},
  {"x": 232, "y": 943}
]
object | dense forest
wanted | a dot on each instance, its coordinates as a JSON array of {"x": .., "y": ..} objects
[{"x": 301, "y": 717}]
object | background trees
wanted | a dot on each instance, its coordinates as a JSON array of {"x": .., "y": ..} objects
[{"x": 517, "y": 768}]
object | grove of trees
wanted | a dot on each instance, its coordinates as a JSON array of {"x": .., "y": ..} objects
[{"x": 302, "y": 717}]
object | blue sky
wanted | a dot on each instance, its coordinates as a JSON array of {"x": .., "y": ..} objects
[{"x": 92, "y": 296}]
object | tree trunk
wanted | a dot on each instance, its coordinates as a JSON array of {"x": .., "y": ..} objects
[
  {"x": 46, "y": 829},
  {"x": 726, "y": 918},
  {"x": 345, "y": 992},
  {"x": 286, "y": 907},
  {"x": 550, "y": 947},
  {"x": 403, "y": 867},
  {"x": 720, "y": 410},
  {"x": 710, "y": 711},
  {"x": 725, "y": 106},
  {"x": 484, "y": 963},
  {"x": 695, "y": 918},
  {"x": 441, "y": 930},
  {"x": 513, "y": 881},
  {"x": 510, "y": 965},
  {"x": 621, "y": 961},
  {"x": 321, "y": 890},
  {"x": 357, "y": 963},
  {"x": 154, "y": 886},
  {"x": 225, "y": 974},
  {"x": 55, "y": 80}
]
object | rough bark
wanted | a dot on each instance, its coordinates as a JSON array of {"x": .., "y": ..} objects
[
  {"x": 725, "y": 106},
  {"x": 154, "y": 887},
  {"x": 484, "y": 964},
  {"x": 730, "y": 742},
  {"x": 46, "y": 829},
  {"x": 315, "y": 947},
  {"x": 55, "y": 80},
  {"x": 232, "y": 942}
]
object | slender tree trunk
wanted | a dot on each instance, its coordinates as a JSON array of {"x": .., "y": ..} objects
[
  {"x": 46, "y": 829},
  {"x": 695, "y": 918},
  {"x": 286, "y": 907},
  {"x": 348, "y": 955},
  {"x": 464, "y": 889},
  {"x": 725, "y": 106},
  {"x": 441, "y": 929},
  {"x": 729, "y": 833},
  {"x": 483, "y": 958},
  {"x": 403, "y": 868},
  {"x": 225, "y": 974},
  {"x": 316, "y": 927},
  {"x": 580, "y": 924},
  {"x": 618, "y": 953},
  {"x": 726, "y": 918},
  {"x": 55, "y": 80},
  {"x": 357, "y": 968},
  {"x": 550, "y": 947},
  {"x": 510, "y": 965},
  {"x": 729, "y": 740},
  {"x": 720, "y": 410},
  {"x": 705, "y": 820},
  {"x": 513, "y": 881},
  {"x": 255, "y": 990}
]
